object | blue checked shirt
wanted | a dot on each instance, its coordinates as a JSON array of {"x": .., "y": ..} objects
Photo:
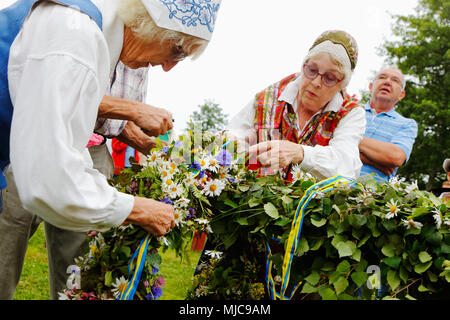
[{"x": 389, "y": 127}]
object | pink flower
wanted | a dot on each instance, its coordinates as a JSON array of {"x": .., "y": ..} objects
[
  {"x": 92, "y": 234},
  {"x": 161, "y": 281}
]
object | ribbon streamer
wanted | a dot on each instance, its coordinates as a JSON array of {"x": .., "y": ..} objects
[
  {"x": 136, "y": 264},
  {"x": 294, "y": 237}
]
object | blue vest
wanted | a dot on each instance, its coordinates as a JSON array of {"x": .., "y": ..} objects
[{"x": 11, "y": 20}]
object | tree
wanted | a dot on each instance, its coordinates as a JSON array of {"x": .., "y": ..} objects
[
  {"x": 210, "y": 117},
  {"x": 422, "y": 53}
]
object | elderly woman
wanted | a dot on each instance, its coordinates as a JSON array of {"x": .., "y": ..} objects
[
  {"x": 81, "y": 46},
  {"x": 73, "y": 58},
  {"x": 306, "y": 119}
]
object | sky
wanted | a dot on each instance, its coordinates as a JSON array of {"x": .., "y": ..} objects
[{"x": 259, "y": 42}]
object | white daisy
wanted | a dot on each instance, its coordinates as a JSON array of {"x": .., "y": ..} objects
[
  {"x": 63, "y": 296},
  {"x": 239, "y": 176},
  {"x": 394, "y": 181},
  {"x": 175, "y": 190},
  {"x": 154, "y": 158},
  {"x": 214, "y": 254},
  {"x": 447, "y": 221},
  {"x": 179, "y": 216},
  {"x": 167, "y": 183},
  {"x": 299, "y": 174},
  {"x": 119, "y": 286},
  {"x": 190, "y": 180},
  {"x": 163, "y": 240},
  {"x": 213, "y": 188},
  {"x": 203, "y": 164},
  {"x": 204, "y": 225},
  {"x": 437, "y": 218},
  {"x": 319, "y": 195},
  {"x": 362, "y": 196},
  {"x": 411, "y": 223},
  {"x": 413, "y": 186},
  {"x": 393, "y": 209},
  {"x": 202, "y": 221},
  {"x": 213, "y": 164},
  {"x": 182, "y": 203}
]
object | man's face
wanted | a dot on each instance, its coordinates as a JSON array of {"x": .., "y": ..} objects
[{"x": 388, "y": 86}]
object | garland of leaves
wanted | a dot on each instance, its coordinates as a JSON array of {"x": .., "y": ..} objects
[{"x": 399, "y": 230}]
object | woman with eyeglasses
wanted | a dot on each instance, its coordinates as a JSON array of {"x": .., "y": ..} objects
[{"x": 307, "y": 119}]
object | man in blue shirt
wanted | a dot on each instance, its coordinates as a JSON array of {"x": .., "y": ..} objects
[{"x": 389, "y": 137}]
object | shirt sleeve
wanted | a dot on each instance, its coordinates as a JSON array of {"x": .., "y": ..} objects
[
  {"x": 405, "y": 137},
  {"x": 51, "y": 126},
  {"x": 341, "y": 156}
]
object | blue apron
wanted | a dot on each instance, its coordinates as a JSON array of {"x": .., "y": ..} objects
[{"x": 11, "y": 20}]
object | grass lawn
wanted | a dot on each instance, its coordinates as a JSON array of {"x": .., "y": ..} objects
[{"x": 33, "y": 284}]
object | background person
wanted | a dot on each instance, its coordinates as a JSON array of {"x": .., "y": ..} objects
[{"x": 389, "y": 137}]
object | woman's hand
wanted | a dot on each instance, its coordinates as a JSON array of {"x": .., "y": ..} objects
[{"x": 277, "y": 154}]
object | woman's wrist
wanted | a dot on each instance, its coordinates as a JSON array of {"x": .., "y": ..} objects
[{"x": 299, "y": 155}]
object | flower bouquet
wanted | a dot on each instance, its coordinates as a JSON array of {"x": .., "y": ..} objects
[{"x": 186, "y": 174}]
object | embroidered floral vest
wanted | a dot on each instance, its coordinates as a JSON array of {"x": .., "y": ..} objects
[{"x": 277, "y": 120}]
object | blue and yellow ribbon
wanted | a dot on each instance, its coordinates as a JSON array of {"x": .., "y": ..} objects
[
  {"x": 294, "y": 237},
  {"x": 136, "y": 264}
]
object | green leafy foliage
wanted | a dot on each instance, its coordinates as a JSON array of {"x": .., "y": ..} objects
[
  {"x": 344, "y": 232},
  {"x": 421, "y": 50}
]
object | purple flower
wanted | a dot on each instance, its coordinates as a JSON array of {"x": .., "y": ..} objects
[
  {"x": 165, "y": 150},
  {"x": 201, "y": 174},
  {"x": 178, "y": 144},
  {"x": 166, "y": 200},
  {"x": 195, "y": 165},
  {"x": 154, "y": 270},
  {"x": 224, "y": 158},
  {"x": 191, "y": 214},
  {"x": 156, "y": 293}
]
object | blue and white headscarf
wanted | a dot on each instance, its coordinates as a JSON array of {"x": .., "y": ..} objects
[{"x": 194, "y": 17}]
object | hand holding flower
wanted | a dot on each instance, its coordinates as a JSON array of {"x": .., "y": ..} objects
[{"x": 277, "y": 154}]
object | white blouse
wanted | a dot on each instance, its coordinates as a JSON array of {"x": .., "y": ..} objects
[
  {"x": 341, "y": 156},
  {"x": 58, "y": 72}
]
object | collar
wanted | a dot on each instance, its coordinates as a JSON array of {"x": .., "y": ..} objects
[
  {"x": 391, "y": 113},
  {"x": 290, "y": 93},
  {"x": 112, "y": 30}
]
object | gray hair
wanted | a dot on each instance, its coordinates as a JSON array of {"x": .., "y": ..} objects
[
  {"x": 402, "y": 79},
  {"x": 135, "y": 16}
]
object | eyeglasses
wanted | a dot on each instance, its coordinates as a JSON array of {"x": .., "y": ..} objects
[
  {"x": 329, "y": 79},
  {"x": 178, "y": 53}
]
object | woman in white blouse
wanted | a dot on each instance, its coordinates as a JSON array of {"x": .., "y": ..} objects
[{"x": 306, "y": 119}]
